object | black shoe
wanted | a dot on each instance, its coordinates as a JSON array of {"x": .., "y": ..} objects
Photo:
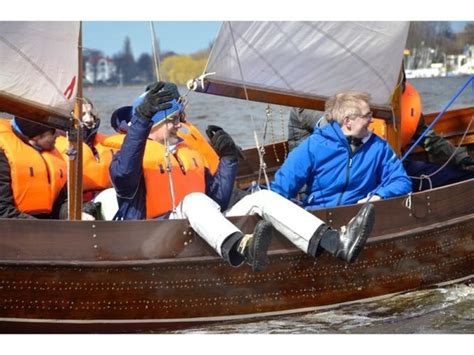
[
  {"x": 353, "y": 236},
  {"x": 254, "y": 248}
]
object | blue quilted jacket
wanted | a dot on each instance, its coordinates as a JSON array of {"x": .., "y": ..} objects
[{"x": 334, "y": 175}]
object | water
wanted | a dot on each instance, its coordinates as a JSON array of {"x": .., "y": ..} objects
[{"x": 441, "y": 310}]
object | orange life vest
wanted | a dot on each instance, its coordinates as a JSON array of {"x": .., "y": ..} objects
[
  {"x": 411, "y": 109},
  {"x": 36, "y": 177},
  {"x": 195, "y": 140},
  {"x": 187, "y": 172},
  {"x": 95, "y": 171}
]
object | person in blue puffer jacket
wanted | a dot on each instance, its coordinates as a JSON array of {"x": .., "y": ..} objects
[{"x": 343, "y": 162}]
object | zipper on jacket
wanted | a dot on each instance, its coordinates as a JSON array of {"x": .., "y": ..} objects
[{"x": 348, "y": 171}]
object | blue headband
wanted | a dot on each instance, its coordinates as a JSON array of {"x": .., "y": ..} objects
[{"x": 160, "y": 116}]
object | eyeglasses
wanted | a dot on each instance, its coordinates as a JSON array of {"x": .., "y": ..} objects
[
  {"x": 368, "y": 116},
  {"x": 180, "y": 117}
]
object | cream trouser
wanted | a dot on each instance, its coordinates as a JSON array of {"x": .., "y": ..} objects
[{"x": 294, "y": 222}]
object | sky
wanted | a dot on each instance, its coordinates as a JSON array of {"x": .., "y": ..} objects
[
  {"x": 182, "y": 37},
  {"x": 185, "y": 26}
]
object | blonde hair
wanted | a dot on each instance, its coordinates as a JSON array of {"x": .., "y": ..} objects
[{"x": 344, "y": 104}]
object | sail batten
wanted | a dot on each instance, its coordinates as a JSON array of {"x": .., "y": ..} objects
[
  {"x": 39, "y": 68},
  {"x": 315, "y": 59}
]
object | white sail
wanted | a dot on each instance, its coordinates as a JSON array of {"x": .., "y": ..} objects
[
  {"x": 312, "y": 58},
  {"x": 39, "y": 65}
]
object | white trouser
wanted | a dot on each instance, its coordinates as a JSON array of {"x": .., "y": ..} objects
[
  {"x": 109, "y": 204},
  {"x": 205, "y": 217},
  {"x": 294, "y": 222}
]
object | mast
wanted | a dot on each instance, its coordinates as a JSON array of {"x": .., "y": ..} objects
[{"x": 74, "y": 135}]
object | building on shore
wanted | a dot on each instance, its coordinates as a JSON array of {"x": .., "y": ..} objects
[{"x": 99, "y": 69}]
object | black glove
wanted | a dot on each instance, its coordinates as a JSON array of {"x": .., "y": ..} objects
[
  {"x": 222, "y": 142},
  {"x": 155, "y": 101}
]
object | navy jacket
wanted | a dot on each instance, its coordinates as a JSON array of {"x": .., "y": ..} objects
[{"x": 126, "y": 172}]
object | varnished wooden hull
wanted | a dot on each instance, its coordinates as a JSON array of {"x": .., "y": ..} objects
[
  {"x": 138, "y": 276},
  {"x": 151, "y": 275}
]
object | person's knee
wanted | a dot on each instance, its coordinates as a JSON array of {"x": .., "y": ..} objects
[
  {"x": 196, "y": 197},
  {"x": 108, "y": 204},
  {"x": 269, "y": 196},
  {"x": 197, "y": 200},
  {"x": 264, "y": 194}
]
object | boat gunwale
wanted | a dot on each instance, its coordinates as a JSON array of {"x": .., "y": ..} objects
[{"x": 205, "y": 259}]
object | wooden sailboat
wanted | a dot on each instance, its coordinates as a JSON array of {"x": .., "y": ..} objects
[{"x": 101, "y": 276}]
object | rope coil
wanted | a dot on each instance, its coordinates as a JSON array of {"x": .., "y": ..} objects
[{"x": 193, "y": 84}]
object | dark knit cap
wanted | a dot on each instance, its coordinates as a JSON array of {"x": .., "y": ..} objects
[{"x": 31, "y": 129}]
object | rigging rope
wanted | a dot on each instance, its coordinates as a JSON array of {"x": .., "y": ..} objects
[
  {"x": 269, "y": 114},
  {"x": 156, "y": 50},
  {"x": 167, "y": 146},
  {"x": 260, "y": 149},
  {"x": 282, "y": 121}
]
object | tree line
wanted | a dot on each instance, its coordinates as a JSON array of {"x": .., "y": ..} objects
[
  {"x": 440, "y": 36},
  {"x": 172, "y": 67}
]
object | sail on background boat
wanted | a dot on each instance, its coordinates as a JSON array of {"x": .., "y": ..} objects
[
  {"x": 39, "y": 68},
  {"x": 311, "y": 58}
]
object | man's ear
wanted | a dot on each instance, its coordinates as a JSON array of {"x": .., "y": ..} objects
[{"x": 347, "y": 122}]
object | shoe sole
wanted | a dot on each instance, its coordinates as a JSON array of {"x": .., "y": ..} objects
[
  {"x": 263, "y": 236},
  {"x": 368, "y": 225}
]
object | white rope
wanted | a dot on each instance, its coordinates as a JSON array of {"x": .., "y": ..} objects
[
  {"x": 167, "y": 146},
  {"x": 428, "y": 177},
  {"x": 169, "y": 171},
  {"x": 260, "y": 149},
  {"x": 193, "y": 84},
  {"x": 156, "y": 57},
  {"x": 408, "y": 201}
]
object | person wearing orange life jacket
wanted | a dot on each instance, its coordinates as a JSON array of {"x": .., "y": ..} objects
[
  {"x": 152, "y": 154},
  {"x": 32, "y": 172},
  {"x": 120, "y": 121},
  {"x": 97, "y": 152}
]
